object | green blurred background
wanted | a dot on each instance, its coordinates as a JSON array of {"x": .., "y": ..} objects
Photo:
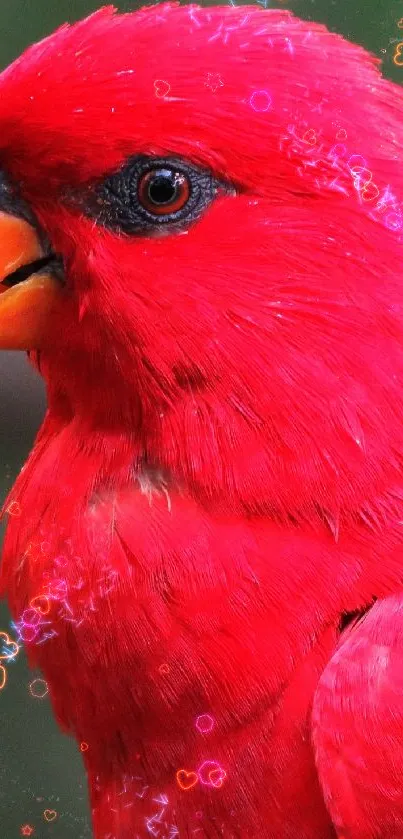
[{"x": 39, "y": 768}]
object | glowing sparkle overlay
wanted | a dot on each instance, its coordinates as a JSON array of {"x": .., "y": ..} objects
[
  {"x": 54, "y": 601},
  {"x": 52, "y": 604},
  {"x": 332, "y": 163}
]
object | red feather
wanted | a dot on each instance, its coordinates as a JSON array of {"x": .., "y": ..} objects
[{"x": 218, "y": 479}]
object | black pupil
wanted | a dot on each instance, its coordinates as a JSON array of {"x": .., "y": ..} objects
[{"x": 162, "y": 188}]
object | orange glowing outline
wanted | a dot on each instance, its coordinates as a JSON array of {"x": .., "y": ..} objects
[
  {"x": 37, "y": 599},
  {"x": 398, "y": 54},
  {"x": 310, "y": 137},
  {"x": 14, "y": 509},
  {"x": 366, "y": 191},
  {"x": 49, "y": 815},
  {"x": 186, "y": 780},
  {"x": 5, "y": 638}
]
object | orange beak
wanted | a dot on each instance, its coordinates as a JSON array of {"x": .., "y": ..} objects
[{"x": 29, "y": 294}]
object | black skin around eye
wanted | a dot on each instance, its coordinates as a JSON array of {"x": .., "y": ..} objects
[{"x": 114, "y": 202}]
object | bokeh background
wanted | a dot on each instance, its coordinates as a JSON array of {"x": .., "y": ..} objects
[{"x": 39, "y": 768}]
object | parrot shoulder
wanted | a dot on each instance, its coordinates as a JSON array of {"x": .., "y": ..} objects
[{"x": 358, "y": 725}]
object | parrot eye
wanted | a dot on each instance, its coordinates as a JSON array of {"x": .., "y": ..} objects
[
  {"x": 149, "y": 194},
  {"x": 163, "y": 191}
]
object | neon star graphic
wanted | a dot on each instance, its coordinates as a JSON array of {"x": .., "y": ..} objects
[
  {"x": 214, "y": 81},
  {"x": 27, "y": 830}
]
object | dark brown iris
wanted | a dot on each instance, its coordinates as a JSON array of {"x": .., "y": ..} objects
[{"x": 163, "y": 191}]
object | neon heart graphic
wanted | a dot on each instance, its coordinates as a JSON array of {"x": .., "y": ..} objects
[
  {"x": 310, "y": 137},
  {"x": 186, "y": 780},
  {"x": 8, "y": 648},
  {"x": 14, "y": 509},
  {"x": 161, "y": 88},
  {"x": 40, "y": 604},
  {"x": 217, "y": 777},
  {"x": 211, "y": 774}
]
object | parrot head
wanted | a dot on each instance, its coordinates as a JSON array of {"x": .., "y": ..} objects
[{"x": 195, "y": 253}]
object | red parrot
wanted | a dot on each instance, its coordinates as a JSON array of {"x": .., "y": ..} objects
[{"x": 200, "y": 250}]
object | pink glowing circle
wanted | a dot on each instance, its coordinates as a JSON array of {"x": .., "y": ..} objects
[
  {"x": 30, "y": 617},
  {"x": 211, "y": 774},
  {"x": 260, "y": 101},
  {"x": 337, "y": 151},
  {"x": 28, "y": 633},
  {"x": 357, "y": 166},
  {"x": 204, "y": 723}
]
